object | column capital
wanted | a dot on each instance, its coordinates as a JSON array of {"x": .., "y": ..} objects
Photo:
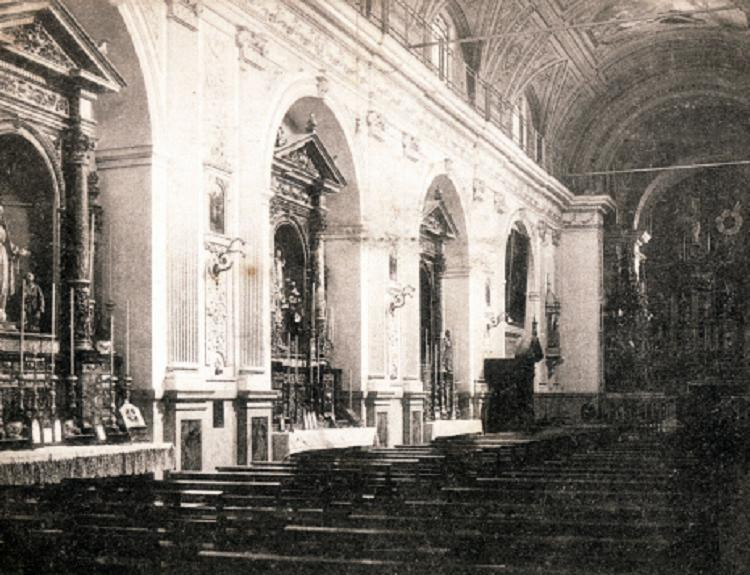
[{"x": 77, "y": 145}]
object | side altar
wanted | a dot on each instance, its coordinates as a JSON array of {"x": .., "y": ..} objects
[{"x": 62, "y": 382}]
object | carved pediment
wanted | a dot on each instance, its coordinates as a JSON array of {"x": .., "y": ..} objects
[
  {"x": 45, "y": 37},
  {"x": 307, "y": 161},
  {"x": 437, "y": 221}
]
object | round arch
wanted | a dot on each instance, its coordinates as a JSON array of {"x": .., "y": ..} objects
[{"x": 305, "y": 87}]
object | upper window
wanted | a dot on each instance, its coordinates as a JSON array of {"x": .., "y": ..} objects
[{"x": 442, "y": 53}]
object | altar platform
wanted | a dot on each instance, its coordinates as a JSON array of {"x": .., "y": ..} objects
[
  {"x": 450, "y": 428},
  {"x": 55, "y": 463},
  {"x": 289, "y": 442}
]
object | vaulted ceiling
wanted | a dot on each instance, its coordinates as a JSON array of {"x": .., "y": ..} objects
[{"x": 619, "y": 83}]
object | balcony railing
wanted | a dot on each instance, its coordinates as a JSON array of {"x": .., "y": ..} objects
[{"x": 398, "y": 20}]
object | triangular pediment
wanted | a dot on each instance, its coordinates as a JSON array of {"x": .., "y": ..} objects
[
  {"x": 307, "y": 160},
  {"x": 437, "y": 221},
  {"x": 44, "y": 37}
]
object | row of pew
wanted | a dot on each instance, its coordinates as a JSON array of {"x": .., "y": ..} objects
[{"x": 572, "y": 503}]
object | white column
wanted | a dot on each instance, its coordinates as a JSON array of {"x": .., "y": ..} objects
[{"x": 581, "y": 254}]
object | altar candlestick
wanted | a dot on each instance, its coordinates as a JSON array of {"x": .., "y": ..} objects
[
  {"x": 109, "y": 262},
  {"x": 23, "y": 322},
  {"x": 72, "y": 333},
  {"x": 53, "y": 311},
  {"x": 111, "y": 347},
  {"x": 351, "y": 390},
  {"x": 53, "y": 327},
  {"x": 294, "y": 387},
  {"x": 127, "y": 338}
]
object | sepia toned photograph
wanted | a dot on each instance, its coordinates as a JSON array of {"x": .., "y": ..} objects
[{"x": 375, "y": 287}]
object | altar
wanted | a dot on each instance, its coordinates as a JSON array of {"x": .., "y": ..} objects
[
  {"x": 64, "y": 366},
  {"x": 55, "y": 463}
]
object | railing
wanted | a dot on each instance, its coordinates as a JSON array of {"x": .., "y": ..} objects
[
  {"x": 398, "y": 20},
  {"x": 643, "y": 412}
]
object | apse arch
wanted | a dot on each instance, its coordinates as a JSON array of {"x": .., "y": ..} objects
[
  {"x": 593, "y": 145},
  {"x": 662, "y": 183}
]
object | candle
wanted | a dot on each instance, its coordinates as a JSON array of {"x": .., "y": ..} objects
[
  {"x": 109, "y": 262},
  {"x": 53, "y": 311},
  {"x": 53, "y": 327},
  {"x": 111, "y": 346},
  {"x": 127, "y": 338},
  {"x": 72, "y": 333},
  {"x": 23, "y": 322}
]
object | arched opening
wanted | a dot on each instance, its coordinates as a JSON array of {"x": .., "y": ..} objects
[
  {"x": 516, "y": 275},
  {"x": 27, "y": 233},
  {"x": 520, "y": 314},
  {"x": 313, "y": 291},
  {"x": 443, "y": 300}
]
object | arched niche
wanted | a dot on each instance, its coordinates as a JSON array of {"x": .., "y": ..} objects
[
  {"x": 443, "y": 299},
  {"x": 314, "y": 323},
  {"x": 28, "y": 196},
  {"x": 520, "y": 283}
]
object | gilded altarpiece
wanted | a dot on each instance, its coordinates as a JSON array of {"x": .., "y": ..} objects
[
  {"x": 677, "y": 291},
  {"x": 436, "y": 343},
  {"x": 58, "y": 368},
  {"x": 303, "y": 174}
]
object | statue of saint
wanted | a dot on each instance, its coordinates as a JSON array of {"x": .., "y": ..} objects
[
  {"x": 10, "y": 255},
  {"x": 279, "y": 263},
  {"x": 33, "y": 303},
  {"x": 446, "y": 355}
]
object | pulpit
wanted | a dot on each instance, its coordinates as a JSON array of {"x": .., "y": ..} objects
[{"x": 510, "y": 404}]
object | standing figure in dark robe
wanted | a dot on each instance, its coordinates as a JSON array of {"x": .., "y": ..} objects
[{"x": 33, "y": 303}]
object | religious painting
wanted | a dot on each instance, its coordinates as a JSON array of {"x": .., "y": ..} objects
[
  {"x": 217, "y": 207},
  {"x": 191, "y": 445},
  {"x": 393, "y": 266},
  {"x": 516, "y": 272},
  {"x": 259, "y": 435}
]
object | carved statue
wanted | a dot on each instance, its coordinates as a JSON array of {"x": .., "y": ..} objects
[
  {"x": 447, "y": 352},
  {"x": 279, "y": 263},
  {"x": 292, "y": 305},
  {"x": 10, "y": 255},
  {"x": 33, "y": 303}
]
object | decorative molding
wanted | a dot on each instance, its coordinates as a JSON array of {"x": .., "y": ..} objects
[
  {"x": 30, "y": 93},
  {"x": 186, "y": 12},
  {"x": 219, "y": 122},
  {"x": 217, "y": 315},
  {"x": 376, "y": 125},
  {"x": 252, "y": 47},
  {"x": 34, "y": 40},
  {"x": 411, "y": 147},
  {"x": 479, "y": 190}
]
